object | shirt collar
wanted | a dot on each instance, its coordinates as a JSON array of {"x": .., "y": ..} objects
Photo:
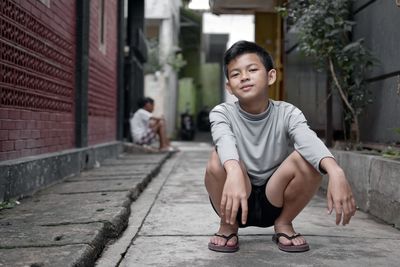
[{"x": 255, "y": 117}]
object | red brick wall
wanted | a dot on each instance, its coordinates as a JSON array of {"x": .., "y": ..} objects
[
  {"x": 102, "y": 75},
  {"x": 37, "y": 59}
]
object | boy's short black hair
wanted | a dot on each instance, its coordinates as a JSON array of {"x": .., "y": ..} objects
[
  {"x": 144, "y": 100},
  {"x": 244, "y": 47}
]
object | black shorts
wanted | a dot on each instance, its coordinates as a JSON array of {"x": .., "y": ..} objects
[{"x": 261, "y": 212}]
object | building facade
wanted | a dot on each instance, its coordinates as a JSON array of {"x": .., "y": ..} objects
[
  {"x": 66, "y": 86},
  {"x": 37, "y": 77}
]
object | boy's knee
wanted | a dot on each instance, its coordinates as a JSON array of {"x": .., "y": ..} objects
[
  {"x": 305, "y": 167},
  {"x": 214, "y": 168},
  {"x": 160, "y": 125}
]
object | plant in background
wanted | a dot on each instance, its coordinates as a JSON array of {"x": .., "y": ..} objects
[
  {"x": 391, "y": 152},
  {"x": 153, "y": 61},
  {"x": 154, "y": 64},
  {"x": 176, "y": 61},
  {"x": 9, "y": 204},
  {"x": 397, "y": 130},
  {"x": 324, "y": 28}
]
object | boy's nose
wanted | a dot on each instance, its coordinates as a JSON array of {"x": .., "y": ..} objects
[{"x": 245, "y": 77}]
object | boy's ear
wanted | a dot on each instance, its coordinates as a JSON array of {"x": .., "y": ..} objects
[
  {"x": 228, "y": 88},
  {"x": 271, "y": 76}
]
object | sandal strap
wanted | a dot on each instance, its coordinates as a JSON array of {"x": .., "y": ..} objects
[
  {"x": 229, "y": 237},
  {"x": 286, "y": 236}
]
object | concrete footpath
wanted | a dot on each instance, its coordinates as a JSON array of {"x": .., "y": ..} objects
[
  {"x": 172, "y": 221},
  {"x": 100, "y": 219}
]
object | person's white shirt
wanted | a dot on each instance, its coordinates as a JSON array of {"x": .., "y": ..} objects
[{"x": 139, "y": 123}]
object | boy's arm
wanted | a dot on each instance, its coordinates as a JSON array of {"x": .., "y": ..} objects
[
  {"x": 234, "y": 187},
  {"x": 157, "y": 118},
  {"x": 308, "y": 144},
  {"x": 234, "y": 193},
  {"x": 223, "y": 137},
  {"x": 305, "y": 141},
  {"x": 339, "y": 195}
]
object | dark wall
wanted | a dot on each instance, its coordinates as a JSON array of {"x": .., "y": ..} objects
[
  {"x": 378, "y": 23},
  {"x": 306, "y": 88},
  {"x": 134, "y": 61}
]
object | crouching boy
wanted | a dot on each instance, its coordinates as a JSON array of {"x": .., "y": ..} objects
[{"x": 267, "y": 163}]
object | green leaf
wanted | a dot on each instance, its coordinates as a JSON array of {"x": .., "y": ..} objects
[
  {"x": 350, "y": 22},
  {"x": 283, "y": 11},
  {"x": 330, "y": 21},
  {"x": 351, "y": 46},
  {"x": 332, "y": 33},
  {"x": 348, "y": 28}
]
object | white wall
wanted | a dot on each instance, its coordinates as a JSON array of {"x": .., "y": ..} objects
[
  {"x": 239, "y": 27},
  {"x": 163, "y": 86}
]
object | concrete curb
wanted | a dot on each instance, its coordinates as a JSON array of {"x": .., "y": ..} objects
[
  {"x": 375, "y": 183},
  {"x": 69, "y": 223},
  {"x": 23, "y": 177},
  {"x": 118, "y": 224}
]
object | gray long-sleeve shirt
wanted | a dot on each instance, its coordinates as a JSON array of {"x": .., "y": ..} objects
[{"x": 265, "y": 140}]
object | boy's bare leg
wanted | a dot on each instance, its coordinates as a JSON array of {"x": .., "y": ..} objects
[
  {"x": 214, "y": 180},
  {"x": 159, "y": 127},
  {"x": 162, "y": 133},
  {"x": 292, "y": 186}
]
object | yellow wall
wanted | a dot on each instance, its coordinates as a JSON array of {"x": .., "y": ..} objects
[{"x": 268, "y": 34}]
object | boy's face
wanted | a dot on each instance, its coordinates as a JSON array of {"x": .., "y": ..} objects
[{"x": 248, "y": 79}]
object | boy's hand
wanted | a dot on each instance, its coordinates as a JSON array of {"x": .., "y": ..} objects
[
  {"x": 234, "y": 193},
  {"x": 339, "y": 194}
]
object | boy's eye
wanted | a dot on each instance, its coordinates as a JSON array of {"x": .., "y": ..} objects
[
  {"x": 253, "y": 70},
  {"x": 234, "y": 74}
]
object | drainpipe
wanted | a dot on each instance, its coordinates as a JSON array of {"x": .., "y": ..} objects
[
  {"x": 82, "y": 73},
  {"x": 120, "y": 68}
]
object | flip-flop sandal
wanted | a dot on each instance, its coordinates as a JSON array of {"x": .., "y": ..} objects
[
  {"x": 225, "y": 248},
  {"x": 289, "y": 248}
]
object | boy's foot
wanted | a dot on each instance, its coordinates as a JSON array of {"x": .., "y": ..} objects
[
  {"x": 132, "y": 147},
  {"x": 149, "y": 149},
  {"x": 288, "y": 240},
  {"x": 226, "y": 239},
  {"x": 169, "y": 149}
]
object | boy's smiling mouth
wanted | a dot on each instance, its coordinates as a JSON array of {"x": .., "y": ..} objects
[{"x": 246, "y": 87}]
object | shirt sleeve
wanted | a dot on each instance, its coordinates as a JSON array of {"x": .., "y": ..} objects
[
  {"x": 222, "y": 135},
  {"x": 306, "y": 141},
  {"x": 145, "y": 116}
]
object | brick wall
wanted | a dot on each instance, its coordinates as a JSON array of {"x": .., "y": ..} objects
[
  {"x": 102, "y": 74},
  {"x": 37, "y": 55}
]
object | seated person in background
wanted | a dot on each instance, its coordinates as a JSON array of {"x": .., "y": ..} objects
[{"x": 145, "y": 127}]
